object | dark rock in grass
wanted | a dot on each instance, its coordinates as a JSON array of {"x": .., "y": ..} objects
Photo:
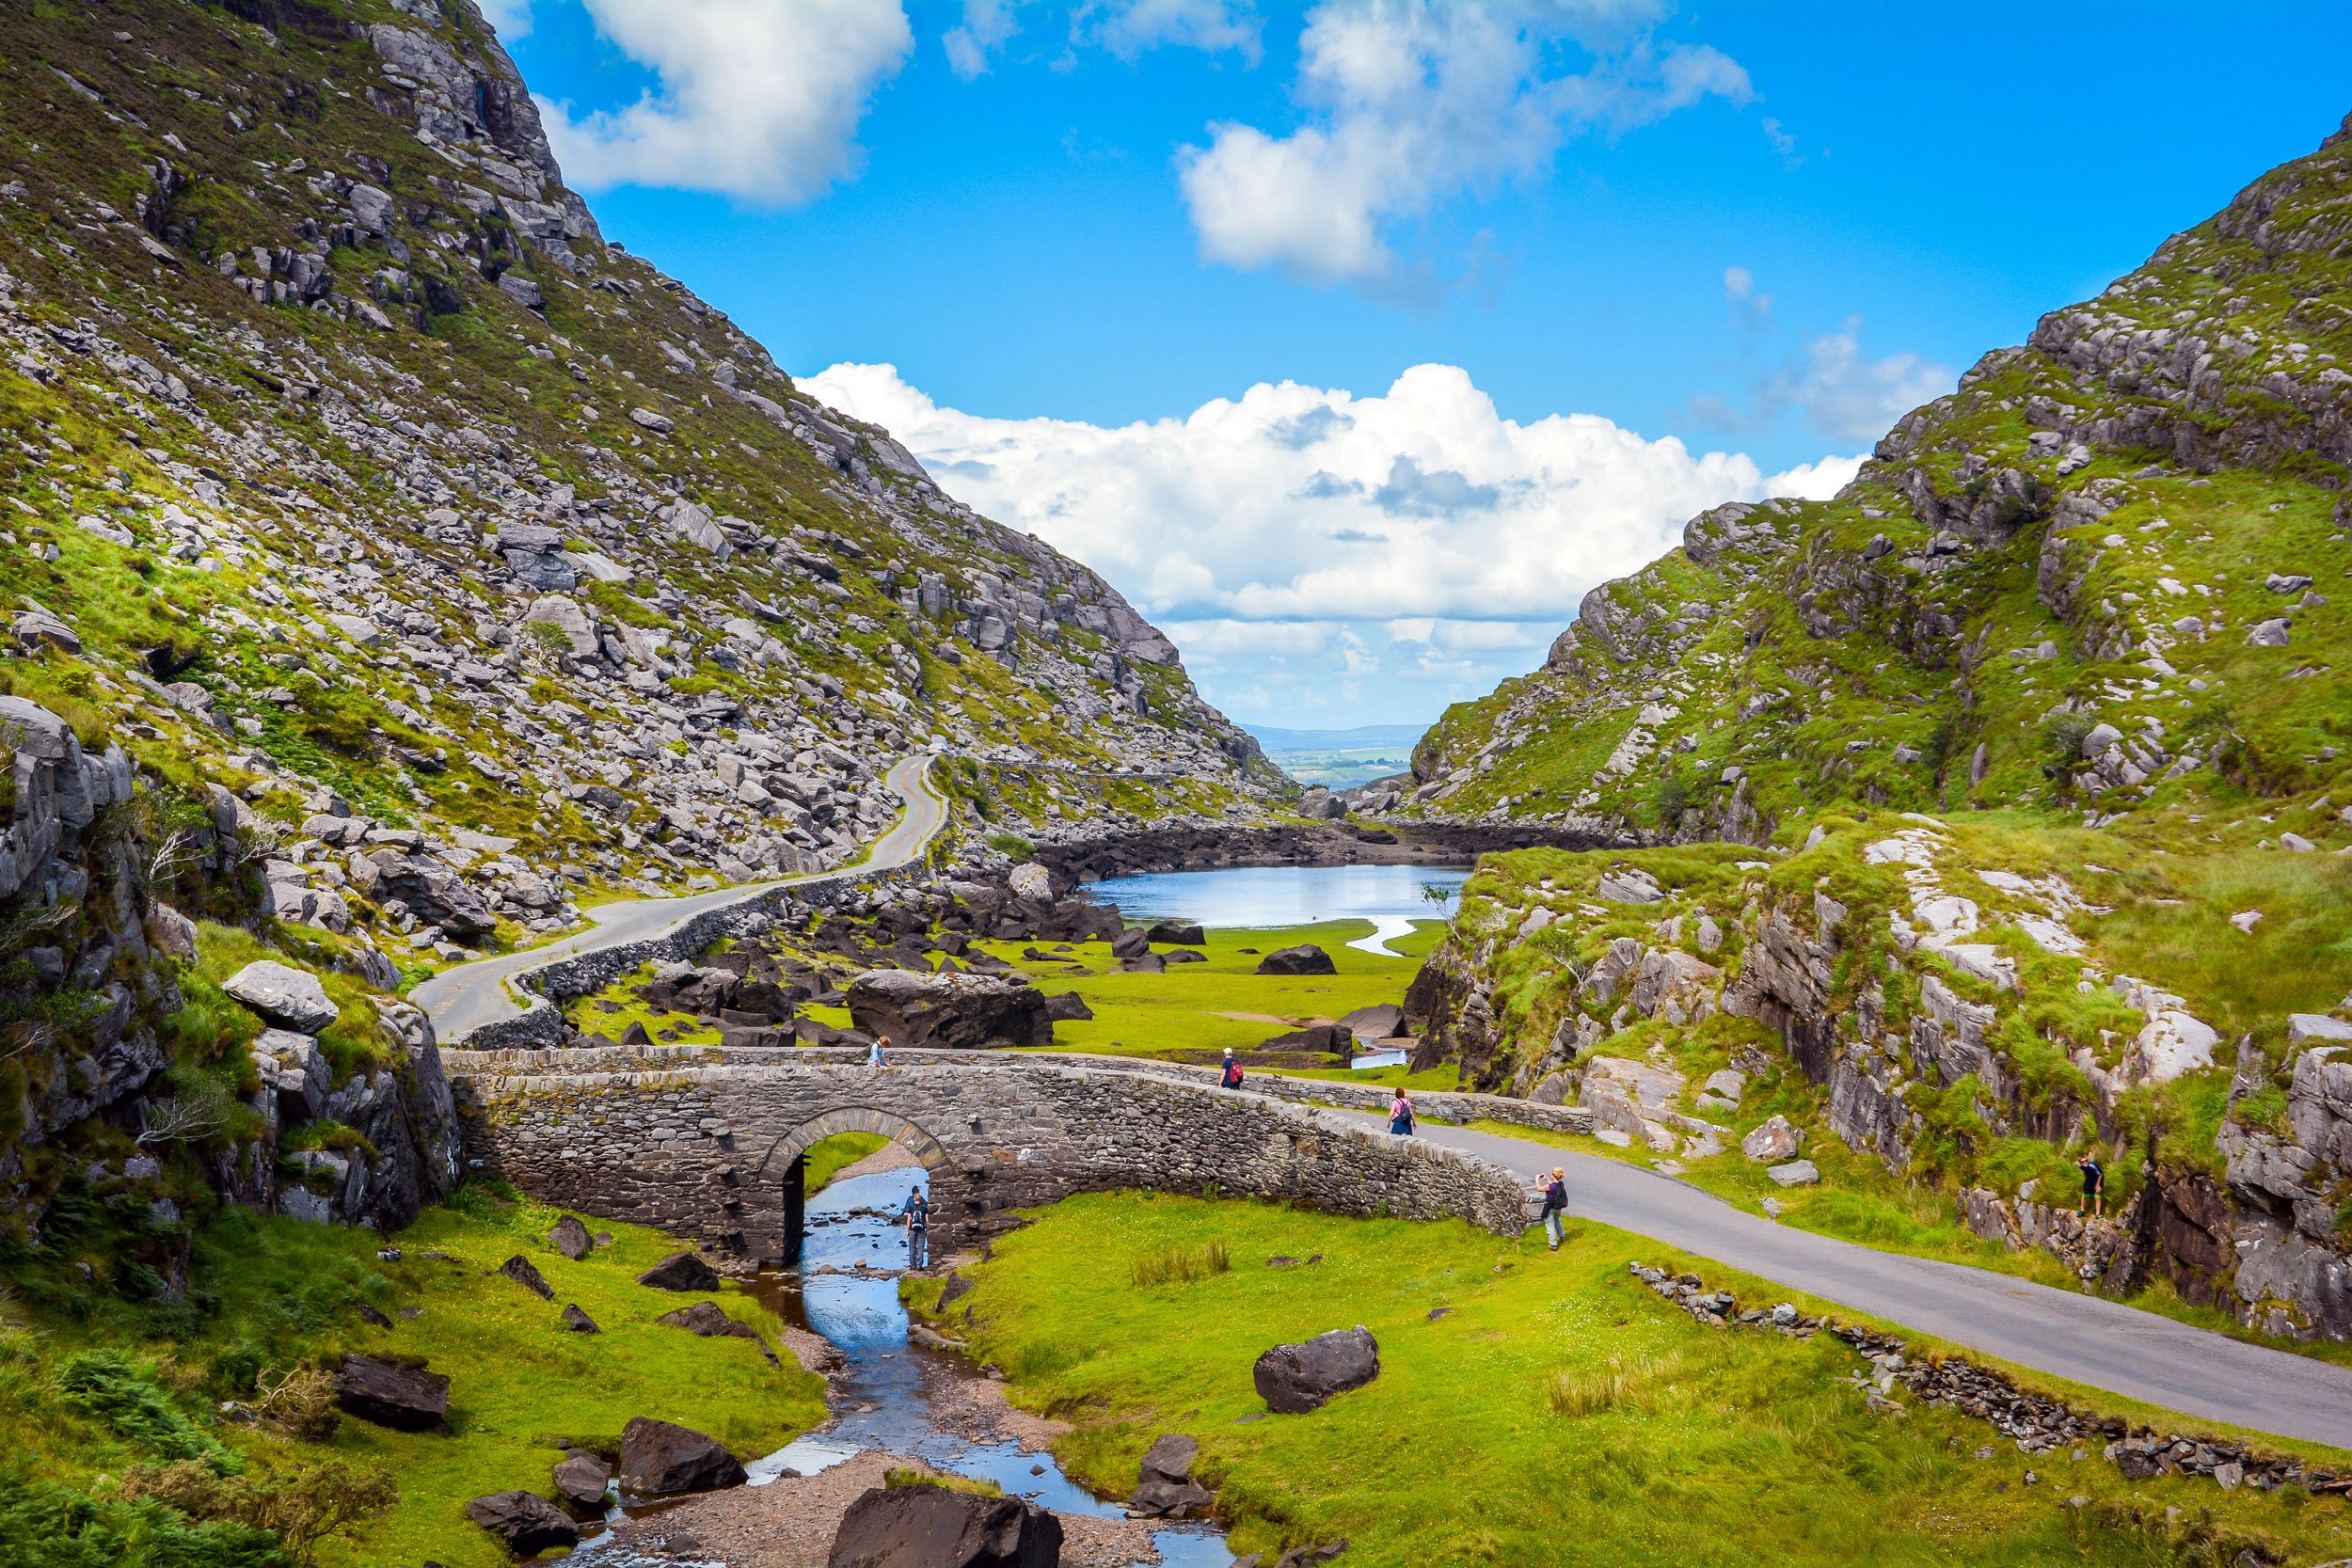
[
  {"x": 1381, "y": 1021},
  {"x": 1311, "y": 1557},
  {"x": 579, "y": 1322},
  {"x": 520, "y": 1270},
  {"x": 580, "y": 1479},
  {"x": 680, "y": 1271},
  {"x": 659, "y": 1459},
  {"x": 956, "y": 1288},
  {"x": 1130, "y": 945},
  {"x": 526, "y": 1522},
  {"x": 1330, "y": 1038},
  {"x": 635, "y": 1035},
  {"x": 373, "y": 1318},
  {"x": 930, "y": 1526},
  {"x": 571, "y": 1239},
  {"x": 949, "y": 1011},
  {"x": 1178, "y": 933},
  {"x": 1185, "y": 955},
  {"x": 1068, "y": 1007},
  {"x": 1165, "y": 1488},
  {"x": 407, "y": 1399},
  {"x": 1294, "y": 1379},
  {"x": 1305, "y": 958},
  {"x": 710, "y": 1321},
  {"x": 1145, "y": 963}
]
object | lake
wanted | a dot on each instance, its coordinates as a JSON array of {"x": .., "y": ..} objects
[{"x": 1261, "y": 896}]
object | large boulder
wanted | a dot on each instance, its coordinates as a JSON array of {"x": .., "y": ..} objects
[
  {"x": 659, "y": 1459},
  {"x": 581, "y": 1479},
  {"x": 680, "y": 1271},
  {"x": 526, "y": 1522},
  {"x": 931, "y": 1527},
  {"x": 570, "y": 1238},
  {"x": 1165, "y": 1488},
  {"x": 1382, "y": 1021},
  {"x": 1293, "y": 1379},
  {"x": 523, "y": 1273},
  {"x": 435, "y": 895},
  {"x": 963, "y": 1012},
  {"x": 1130, "y": 945},
  {"x": 1178, "y": 933},
  {"x": 288, "y": 997},
  {"x": 1772, "y": 1142},
  {"x": 1068, "y": 1007},
  {"x": 1305, "y": 958},
  {"x": 709, "y": 1319},
  {"x": 407, "y": 1399}
]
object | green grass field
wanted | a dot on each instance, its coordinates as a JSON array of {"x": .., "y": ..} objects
[
  {"x": 1200, "y": 1008},
  {"x": 267, "y": 1295},
  {"x": 1535, "y": 1408}
]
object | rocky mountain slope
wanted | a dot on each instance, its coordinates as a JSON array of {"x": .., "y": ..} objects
[
  {"x": 389, "y": 563},
  {"x": 2011, "y": 789},
  {"x": 350, "y": 468}
]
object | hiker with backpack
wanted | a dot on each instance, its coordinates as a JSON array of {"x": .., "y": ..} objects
[
  {"x": 917, "y": 1212},
  {"x": 1401, "y": 1115},
  {"x": 1555, "y": 1206},
  {"x": 1228, "y": 1076}
]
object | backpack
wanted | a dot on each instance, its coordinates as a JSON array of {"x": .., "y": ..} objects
[{"x": 1231, "y": 1078}]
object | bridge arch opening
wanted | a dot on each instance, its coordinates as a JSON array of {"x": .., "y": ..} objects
[{"x": 786, "y": 1160}]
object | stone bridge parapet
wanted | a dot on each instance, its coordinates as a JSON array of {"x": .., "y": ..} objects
[{"x": 702, "y": 1143}]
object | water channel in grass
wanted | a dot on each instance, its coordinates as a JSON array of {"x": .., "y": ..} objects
[{"x": 883, "y": 1396}]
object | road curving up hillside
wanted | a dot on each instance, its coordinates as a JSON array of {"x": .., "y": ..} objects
[{"x": 463, "y": 999}]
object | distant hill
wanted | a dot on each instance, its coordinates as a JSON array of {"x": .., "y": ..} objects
[
  {"x": 1325, "y": 740},
  {"x": 1338, "y": 759}
]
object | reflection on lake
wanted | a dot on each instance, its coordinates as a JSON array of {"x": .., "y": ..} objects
[{"x": 1263, "y": 897}]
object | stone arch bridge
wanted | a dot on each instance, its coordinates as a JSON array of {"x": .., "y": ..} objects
[{"x": 707, "y": 1142}]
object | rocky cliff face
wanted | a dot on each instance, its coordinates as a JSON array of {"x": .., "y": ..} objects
[
  {"x": 353, "y": 469},
  {"x": 2097, "y": 576},
  {"x": 388, "y": 561},
  {"x": 2097, "y": 593}
]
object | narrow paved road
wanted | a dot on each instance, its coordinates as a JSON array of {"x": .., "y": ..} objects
[
  {"x": 2083, "y": 1338},
  {"x": 472, "y": 994}
]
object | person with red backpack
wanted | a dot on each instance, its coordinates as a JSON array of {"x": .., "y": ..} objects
[{"x": 1229, "y": 1075}]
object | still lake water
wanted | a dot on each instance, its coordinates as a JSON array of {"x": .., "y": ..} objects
[{"x": 1257, "y": 897}]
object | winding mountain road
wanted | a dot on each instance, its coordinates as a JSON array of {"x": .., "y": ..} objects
[
  {"x": 465, "y": 998},
  {"x": 2084, "y": 1338}
]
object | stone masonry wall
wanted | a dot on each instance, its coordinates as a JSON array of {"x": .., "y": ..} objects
[{"x": 703, "y": 1150}]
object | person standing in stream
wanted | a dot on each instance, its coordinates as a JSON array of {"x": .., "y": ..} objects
[{"x": 917, "y": 1211}]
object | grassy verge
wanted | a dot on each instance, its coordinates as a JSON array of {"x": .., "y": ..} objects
[
  {"x": 1858, "y": 1202},
  {"x": 1197, "y": 1010},
  {"x": 834, "y": 1155},
  {"x": 269, "y": 1296},
  {"x": 1599, "y": 1424}
]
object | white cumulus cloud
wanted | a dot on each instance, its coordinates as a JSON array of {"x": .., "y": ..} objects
[
  {"x": 757, "y": 99},
  {"x": 511, "y": 19},
  {"x": 1410, "y": 102},
  {"x": 1847, "y": 395},
  {"x": 1293, "y": 536}
]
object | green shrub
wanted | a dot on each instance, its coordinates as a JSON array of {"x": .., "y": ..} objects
[
  {"x": 1180, "y": 1264},
  {"x": 1012, "y": 844},
  {"x": 108, "y": 1385}
]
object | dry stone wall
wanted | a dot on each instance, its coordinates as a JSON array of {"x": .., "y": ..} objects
[{"x": 703, "y": 1148}]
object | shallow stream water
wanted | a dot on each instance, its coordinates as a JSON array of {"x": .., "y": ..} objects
[{"x": 883, "y": 1394}]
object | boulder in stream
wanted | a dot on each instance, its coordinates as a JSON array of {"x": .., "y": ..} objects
[
  {"x": 658, "y": 1460},
  {"x": 931, "y": 1527}
]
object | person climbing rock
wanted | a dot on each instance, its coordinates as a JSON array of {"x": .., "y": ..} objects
[
  {"x": 2095, "y": 1186},
  {"x": 1555, "y": 1206}
]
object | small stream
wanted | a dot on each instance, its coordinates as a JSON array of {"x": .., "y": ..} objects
[{"x": 882, "y": 1394}]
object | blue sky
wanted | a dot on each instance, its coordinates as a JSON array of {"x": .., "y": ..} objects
[{"x": 1143, "y": 276}]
